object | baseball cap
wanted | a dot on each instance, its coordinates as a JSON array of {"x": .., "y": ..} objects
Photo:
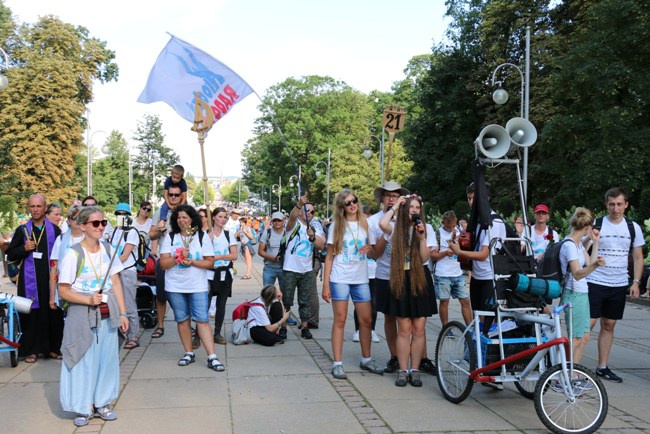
[
  {"x": 277, "y": 216},
  {"x": 541, "y": 208}
]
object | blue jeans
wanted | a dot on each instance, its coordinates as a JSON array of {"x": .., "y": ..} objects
[
  {"x": 270, "y": 274},
  {"x": 186, "y": 303}
]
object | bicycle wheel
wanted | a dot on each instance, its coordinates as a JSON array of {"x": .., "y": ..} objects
[
  {"x": 527, "y": 387},
  {"x": 455, "y": 359},
  {"x": 561, "y": 414}
]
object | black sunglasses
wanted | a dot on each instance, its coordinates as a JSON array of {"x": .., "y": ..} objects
[
  {"x": 310, "y": 211},
  {"x": 72, "y": 217},
  {"x": 146, "y": 209},
  {"x": 174, "y": 194},
  {"x": 276, "y": 220},
  {"x": 351, "y": 202},
  {"x": 96, "y": 223}
]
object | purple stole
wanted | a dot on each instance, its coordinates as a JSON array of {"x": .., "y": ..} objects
[{"x": 29, "y": 268}]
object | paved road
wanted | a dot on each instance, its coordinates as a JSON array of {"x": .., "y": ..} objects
[{"x": 288, "y": 388}]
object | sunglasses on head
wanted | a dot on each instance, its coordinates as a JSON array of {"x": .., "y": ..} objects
[
  {"x": 174, "y": 194},
  {"x": 96, "y": 223},
  {"x": 351, "y": 201}
]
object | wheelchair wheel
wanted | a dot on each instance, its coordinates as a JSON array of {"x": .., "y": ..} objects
[
  {"x": 526, "y": 388},
  {"x": 455, "y": 359},
  {"x": 4, "y": 330},
  {"x": 147, "y": 320},
  {"x": 582, "y": 414}
]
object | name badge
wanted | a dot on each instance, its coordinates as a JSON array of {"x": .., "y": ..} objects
[
  {"x": 38, "y": 255},
  {"x": 223, "y": 276}
]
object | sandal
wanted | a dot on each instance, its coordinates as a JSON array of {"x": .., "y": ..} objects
[
  {"x": 186, "y": 359},
  {"x": 245, "y": 277},
  {"x": 158, "y": 333},
  {"x": 32, "y": 358},
  {"x": 216, "y": 365},
  {"x": 55, "y": 356},
  {"x": 131, "y": 344}
]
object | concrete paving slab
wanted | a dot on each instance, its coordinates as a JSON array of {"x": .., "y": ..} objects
[
  {"x": 161, "y": 361},
  {"x": 178, "y": 393},
  {"x": 33, "y": 407},
  {"x": 269, "y": 390},
  {"x": 288, "y": 365},
  {"x": 322, "y": 418},
  {"x": 202, "y": 419},
  {"x": 41, "y": 371}
]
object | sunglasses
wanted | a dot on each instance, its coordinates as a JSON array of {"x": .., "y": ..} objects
[
  {"x": 146, "y": 209},
  {"x": 121, "y": 213},
  {"x": 173, "y": 194},
  {"x": 72, "y": 217},
  {"x": 96, "y": 223},
  {"x": 310, "y": 211},
  {"x": 276, "y": 220},
  {"x": 351, "y": 202}
]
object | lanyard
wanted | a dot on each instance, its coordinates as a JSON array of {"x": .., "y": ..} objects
[{"x": 89, "y": 255}]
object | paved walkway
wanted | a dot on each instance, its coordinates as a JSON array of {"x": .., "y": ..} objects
[{"x": 289, "y": 389}]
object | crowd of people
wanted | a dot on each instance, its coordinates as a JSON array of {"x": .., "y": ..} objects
[{"x": 392, "y": 262}]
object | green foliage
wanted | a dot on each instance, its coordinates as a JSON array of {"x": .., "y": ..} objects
[
  {"x": 198, "y": 193},
  {"x": 232, "y": 192},
  {"x": 53, "y": 68}
]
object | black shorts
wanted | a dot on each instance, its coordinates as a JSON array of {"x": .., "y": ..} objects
[
  {"x": 161, "y": 295},
  {"x": 481, "y": 293},
  {"x": 606, "y": 301}
]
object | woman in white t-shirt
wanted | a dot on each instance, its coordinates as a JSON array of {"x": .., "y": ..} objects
[
  {"x": 143, "y": 223},
  {"x": 575, "y": 260},
  {"x": 346, "y": 275},
  {"x": 185, "y": 255},
  {"x": 267, "y": 316},
  {"x": 90, "y": 372},
  {"x": 220, "y": 279}
]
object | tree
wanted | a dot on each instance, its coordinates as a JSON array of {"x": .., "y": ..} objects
[
  {"x": 232, "y": 192},
  {"x": 111, "y": 174},
  {"x": 41, "y": 120}
]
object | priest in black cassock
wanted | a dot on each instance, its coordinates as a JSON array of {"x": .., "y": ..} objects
[{"x": 30, "y": 247}]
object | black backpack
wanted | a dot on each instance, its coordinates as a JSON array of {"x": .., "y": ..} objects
[
  {"x": 141, "y": 252},
  {"x": 550, "y": 267}
]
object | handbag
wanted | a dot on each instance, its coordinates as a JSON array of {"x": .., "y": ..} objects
[{"x": 241, "y": 333}]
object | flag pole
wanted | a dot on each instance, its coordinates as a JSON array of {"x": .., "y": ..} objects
[{"x": 202, "y": 124}]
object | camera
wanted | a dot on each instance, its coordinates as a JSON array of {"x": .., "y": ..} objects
[{"x": 124, "y": 221}]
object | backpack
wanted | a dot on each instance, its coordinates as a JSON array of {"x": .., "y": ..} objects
[
  {"x": 140, "y": 252},
  {"x": 81, "y": 257},
  {"x": 201, "y": 233},
  {"x": 241, "y": 311},
  {"x": 550, "y": 267}
]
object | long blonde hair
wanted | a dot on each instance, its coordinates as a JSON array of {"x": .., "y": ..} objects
[
  {"x": 406, "y": 244},
  {"x": 339, "y": 219}
]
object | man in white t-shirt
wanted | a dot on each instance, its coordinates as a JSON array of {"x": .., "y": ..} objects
[
  {"x": 608, "y": 285},
  {"x": 233, "y": 224},
  {"x": 125, "y": 242},
  {"x": 541, "y": 234},
  {"x": 298, "y": 266}
]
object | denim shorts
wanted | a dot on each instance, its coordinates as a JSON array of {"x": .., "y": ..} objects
[
  {"x": 448, "y": 287},
  {"x": 360, "y": 292},
  {"x": 579, "y": 312},
  {"x": 184, "y": 303}
]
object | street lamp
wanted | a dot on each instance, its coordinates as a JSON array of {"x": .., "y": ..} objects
[
  {"x": 500, "y": 96},
  {"x": 327, "y": 168},
  {"x": 278, "y": 188},
  {"x": 367, "y": 153},
  {"x": 4, "y": 81}
]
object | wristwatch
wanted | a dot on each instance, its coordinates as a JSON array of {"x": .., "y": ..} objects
[{"x": 637, "y": 281}]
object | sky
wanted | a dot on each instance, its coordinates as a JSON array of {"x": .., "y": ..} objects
[{"x": 365, "y": 43}]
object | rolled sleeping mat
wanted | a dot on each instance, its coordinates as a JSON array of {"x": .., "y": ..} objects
[
  {"x": 22, "y": 304},
  {"x": 536, "y": 286}
]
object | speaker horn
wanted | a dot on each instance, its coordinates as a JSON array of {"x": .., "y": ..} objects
[
  {"x": 493, "y": 141},
  {"x": 522, "y": 132}
]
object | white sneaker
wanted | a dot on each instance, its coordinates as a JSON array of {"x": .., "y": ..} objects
[
  {"x": 375, "y": 337},
  {"x": 355, "y": 336}
]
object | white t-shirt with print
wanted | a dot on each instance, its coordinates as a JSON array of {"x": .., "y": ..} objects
[
  {"x": 186, "y": 278},
  {"x": 539, "y": 243},
  {"x": 382, "y": 270},
  {"x": 56, "y": 248},
  {"x": 93, "y": 271},
  {"x": 447, "y": 266},
  {"x": 132, "y": 237},
  {"x": 349, "y": 266},
  {"x": 300, "y": 250},
  {"x": 482, "y": 270},
  {"x": 570, "y": 252},
  {"x": 221, "y": 246},
  {"x": 614, "y": 246}
]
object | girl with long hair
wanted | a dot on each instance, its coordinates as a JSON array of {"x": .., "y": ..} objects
[
  {"x": 410, "y": 297},
  {"x": 346, "y": 275},
  {"x": 267, "y": 316}
]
